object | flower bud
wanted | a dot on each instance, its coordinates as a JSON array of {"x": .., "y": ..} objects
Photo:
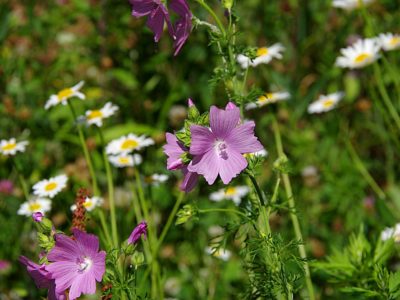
[
  {"x": 193, "y": 112},
  {"x": 185, "y": 214},
  {"x": 137, "y": 259}
]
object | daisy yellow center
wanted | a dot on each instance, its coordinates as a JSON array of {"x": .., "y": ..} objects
[
  {"x": 230, "y": 191},
  {"x": 9, "y": 147},
  {"x": 65, "y": 93},
  {"x": 129, "y": 144},
  {"x": 328, "y": 103},
  {"x": 88, "y": 204},
  {"x": 262, "y": 51},
  {"x": 50, "y": 186},
  {"x": 362, "y": 57},
  {"x": 262, "y": 100},
  {"x": 394, "y": 41},
  {"x": 94, "y": 114},
  {"x": 34, "y": 206},
  {"x": 123, "y": 160}
]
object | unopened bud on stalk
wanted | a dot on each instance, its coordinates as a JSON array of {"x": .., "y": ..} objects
[
  {"x": 193, "y": 112},
  {"x": 227, "y": 4},
  {"x": 282, "y": 164},
  {"x": 137, "y": 259},
  {"x": 43, "y": 225}
]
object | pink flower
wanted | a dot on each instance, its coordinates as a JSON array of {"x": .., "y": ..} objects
[
  {"x": 37, "y": 217},
  {"x": 139, "y": 230},
  {"x": 183, "y": 25},
  {"x": 76, "y": 263},
  {"x": 42, "y": 278},
  {"x": 219, "y": 150},
  {"x": 174, "y": 149}
]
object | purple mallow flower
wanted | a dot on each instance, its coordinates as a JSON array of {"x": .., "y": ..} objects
[
  {"x": 183, "y": 25},
  {"x": 219, "y": 150},
  {"x": 76, "y": 263},
  {"x": 37, "y": 217},
  {"x": 174, "y": 149},
  {"x": 42, "y": 278},
  {"x": 139, "y": 230}
]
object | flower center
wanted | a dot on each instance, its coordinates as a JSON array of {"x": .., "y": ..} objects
[
  {"x": 262, "y": 51},
  {"x": 362, "y": 57},
  {"x": 123, "y": 160},
  {"x": 34, "y": 206},
  {"x": 65, "y": 93},
  {"x": 85, "y": 264},
  {"x": 50, "y": 186},
  {"x": 9, "y": 147},
  {"x": 94, "y": 114},
  {"x": 221, "y": 148},
  {"x": 88, "y": 204},
  {"x": 230, "y": 191},
  {"x": 394, "y": 41},
  {"x": 328, "y": 103},
  {"x": 129, "y": 144}
]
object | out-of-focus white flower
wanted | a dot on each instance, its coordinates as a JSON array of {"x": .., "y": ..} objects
[
  {"x": 325, "y": 103},
  {"x": 391, "y": 232},
  {"x": 50, "y": 187},
  {"x": 264, "y": 56},
  {"x": 268, "y": 98},
  {"x": 90, "y": 203},
  {"x": 96, "y": 117},
  {"x": 63, "y": 95},
  {"x": 127, "y": 144},
  {"x": 125, "y": 160},
  {"x": 223, "y": 254},
  {"x": 350, "y": 4},
  {"x": 389, "y": 41},
  {"x": 11, "y": 146},
  {"x": 156, "y": 179},
  {"x": 42, "y": 205},
  {"x": 362, "y": 53},
  {"x": 234, "y": 193}
]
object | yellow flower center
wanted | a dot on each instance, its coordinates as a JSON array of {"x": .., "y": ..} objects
[
  {"x": 65, "y": 93},
  {"x": 34, "y": 206},
  {"x": 328, "y": 103},
  {"x": 362, "y": 57},
  {"x": 394, "y": 41},
  {"x": 50, "y": 186},
  {"x": 94, "y": 114},
  {"x": 262, "y": 51},
  {"x": 230, "y": 191},
  {"x": 88, "y": 204},
  {"x": 9, "y": 147},
  {"x": 123, "y": 160},
  {"x": 129, "y": 144}
]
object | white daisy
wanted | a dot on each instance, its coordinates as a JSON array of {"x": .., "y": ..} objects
[
  {"x": 125, "y": 160},
  {"x": 389, "y": 41},
  {"x": 90, "y": 203},
  {"x": 220, "y": 253},
  {"x": 234, "y": 193},
  {"x": 34, "y": 205},
  {"x": 350, "y": 4},
  {"x": 129, "y": 143},
  {"x": 63, "y": 95},
  {"x": 11, "y": 146},
  {"x": 362, "y": 53},
  {"x": 50, "y": 187},
  {"x": 261, "y": 153},
  {"x": 96, "y": 117},
  {"x": 268, "y": 98},
  {"x": 264, "y": 56},
  {"x": 156, "y": 179},
  {"x": 391, "y": 232},
  {"x": 325, "y": 103}
]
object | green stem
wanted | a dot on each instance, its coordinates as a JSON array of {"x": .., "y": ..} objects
[
  {"x": 85, "y": 150},
  {"x": 106, "y": 231},
  {"x": 293, "y": 212},
  {"x": 212, "y": 13},
  {"x": 259, "y": 192},
  {"x": 385, "y": 96},
  {"x": 264, "y": 221},
  {"x": 21, "y": 180},
  {"x": 110, "y": 185},
  {"x": 393, "y": 74}
]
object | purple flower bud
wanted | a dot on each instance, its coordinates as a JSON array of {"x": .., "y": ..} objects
[
  {"x": 37, "y": 217},
  {"x": 230, "y": 106},
  {"x": 139, "y": 230},
  {"x": 190, "y": 102}
]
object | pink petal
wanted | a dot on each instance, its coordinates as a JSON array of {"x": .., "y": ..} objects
[
  {"x": 222, "y": 122},
  {"x": 66, "y": 249},
  {"x": 99, "y": 265},
  {"x": 206, "y": 165},
  {"x": 189, "y": 180},
  {"x": 142, "y": 8},
  {"x": 202, "y": 139},
  {"x": 243, "y": 140},
  {"x": 88, "y": 243},
  {"x": 84, "y": 283},
  {"x": 64, "y": 274},
  {"x": 232, "y": 166}
]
